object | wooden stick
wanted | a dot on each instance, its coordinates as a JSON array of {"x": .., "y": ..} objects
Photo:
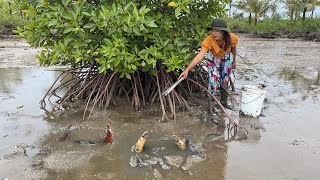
[{"x": 221, "y": 107}]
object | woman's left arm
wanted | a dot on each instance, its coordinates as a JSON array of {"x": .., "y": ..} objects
[{"x": 234, "y": 53}]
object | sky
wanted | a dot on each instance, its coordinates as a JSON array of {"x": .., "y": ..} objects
[{"x": 282, "y": 10}]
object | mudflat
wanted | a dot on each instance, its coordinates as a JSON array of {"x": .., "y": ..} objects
[{"x": 283, "y": 143}]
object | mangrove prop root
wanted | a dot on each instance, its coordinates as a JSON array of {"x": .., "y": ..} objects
[
  {"x": 232, "y": 121},
  {"x": 100, "y": 89}
]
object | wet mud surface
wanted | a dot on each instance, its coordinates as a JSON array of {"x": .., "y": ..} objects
[{"x": 283, "y": 143}]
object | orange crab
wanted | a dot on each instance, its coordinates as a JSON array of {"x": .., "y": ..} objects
[{"x": 109, "y": 135}]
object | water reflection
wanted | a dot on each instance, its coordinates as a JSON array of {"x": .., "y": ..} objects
[
  {"x": 301, "y": 79},
  {"x": 20, "y": 128},
  {"x": 254, "y": 127},
  {"x": 24, "y": 87},
  {"x": 9, "y": 77}
]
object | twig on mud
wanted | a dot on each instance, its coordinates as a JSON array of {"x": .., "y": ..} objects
[{"x": 232, "y": 121}]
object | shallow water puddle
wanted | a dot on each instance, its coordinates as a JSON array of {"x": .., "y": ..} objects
[{"x": 31, "y": 144}]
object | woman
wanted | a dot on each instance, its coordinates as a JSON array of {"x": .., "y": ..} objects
[{"x": 221, "y": 58}]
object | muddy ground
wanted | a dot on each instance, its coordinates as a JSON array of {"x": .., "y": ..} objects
[{"x": 283, "y": 143}]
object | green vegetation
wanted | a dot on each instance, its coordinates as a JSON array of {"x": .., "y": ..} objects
[
  {"x": 133, "y": 49},
  {"x": 267, "y": 21},
  {"x": 277, "y": 26},
  {"x": 10, "y": 17}
]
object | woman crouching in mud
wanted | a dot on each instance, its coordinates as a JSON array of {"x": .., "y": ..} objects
[{"x": 220, "y": 59}]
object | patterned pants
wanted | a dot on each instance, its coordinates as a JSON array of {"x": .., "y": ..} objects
[{"x": 219, "y": 69}]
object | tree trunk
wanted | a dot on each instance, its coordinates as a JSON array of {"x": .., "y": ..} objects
[
  {"x": 304, "y": 13},
  {"x": 255, "y": 19},
  {"x": 311, "y": 14},
  {"x": 249, "y": 19},
  {"x": 10, "y": 8},
  {"x": 291, "y": 15},
  {"x": 21, "y": 14}
]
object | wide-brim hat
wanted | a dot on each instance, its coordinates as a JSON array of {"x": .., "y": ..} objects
[{"x": 219, "y": 24}]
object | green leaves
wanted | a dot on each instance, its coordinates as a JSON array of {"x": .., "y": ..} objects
[
  {"x": 151, "y": 24},
  {"x": 89, "y": 26},
  {"x": 177, "y": 12},
  {"x": 180, "y": 6},
  {"x": 119, "y": 36}
]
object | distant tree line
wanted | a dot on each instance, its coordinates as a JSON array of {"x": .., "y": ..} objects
[{"x": 258, "y": 9}]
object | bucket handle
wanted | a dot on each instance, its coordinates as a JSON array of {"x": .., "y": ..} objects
[{"x": 253, "y": 100}]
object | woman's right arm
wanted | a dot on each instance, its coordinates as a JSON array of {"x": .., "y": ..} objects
[{"x": 194, "y": 62}]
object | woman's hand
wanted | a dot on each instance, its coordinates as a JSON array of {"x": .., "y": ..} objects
[
  {"x": 184, "y": 74},
  {"x": 194, "y": 62}
]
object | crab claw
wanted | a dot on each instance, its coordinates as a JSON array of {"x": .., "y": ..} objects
[
  {"x": 181, "y": 143},
  {"x": 141, "y": 141}
]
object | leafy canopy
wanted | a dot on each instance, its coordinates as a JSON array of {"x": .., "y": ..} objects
[{"x": 123, "y": 36}]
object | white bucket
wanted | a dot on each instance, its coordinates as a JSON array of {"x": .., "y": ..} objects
[{"x": 252, "y": 99}]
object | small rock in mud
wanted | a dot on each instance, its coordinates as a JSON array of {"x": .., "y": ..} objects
[
  {"x": 174, "y": 160},
  {"x": 153, "y": 161},
  {"x": 163, "y": 164},
  {"x": 136, "y": 160},
  {"x": 133, "y": 161},
  {"x": 192, "y": 159}
]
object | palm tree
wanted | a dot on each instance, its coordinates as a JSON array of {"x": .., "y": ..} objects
[
  {"x": 244, "y": 5},
  {"x": 312, "y": 6},
  {"x": 304, "y": 4},
  {"x": 258, "y": 8},
  {"x": 307, "y": 5},
  {"x": 294, "y": 8},
  {"x": 262, "y": 7},
  {"x": 230, "y": 4}
]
